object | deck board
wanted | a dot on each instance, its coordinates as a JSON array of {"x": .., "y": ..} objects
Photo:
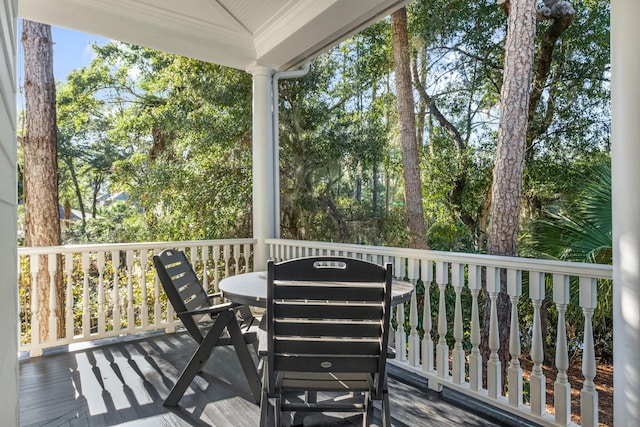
[{"x": 125, "y": 383}]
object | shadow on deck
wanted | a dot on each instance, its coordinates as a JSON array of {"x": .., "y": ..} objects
[{"x": 124, "y": 382}]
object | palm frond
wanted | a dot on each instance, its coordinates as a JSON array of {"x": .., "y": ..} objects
[{"x": 584, "y": 234}]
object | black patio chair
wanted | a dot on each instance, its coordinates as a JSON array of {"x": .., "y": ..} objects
[
  {"x": 327, "y": 335},
  {"x": 233, "y": 324}
]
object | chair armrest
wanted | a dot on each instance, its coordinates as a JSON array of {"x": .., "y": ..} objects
[
  {"x": 391, "y": 353},
  {"x": 213, "y": 296},
  {"x": 262, "y": 342},
  {"x": 214, "y": 309}
]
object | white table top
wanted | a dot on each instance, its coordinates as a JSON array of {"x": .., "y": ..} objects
[{"x": 251, "y": 289}]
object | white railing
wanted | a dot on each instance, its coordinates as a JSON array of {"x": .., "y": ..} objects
[
  {"x": 111, "y": 289},
  {"x": 446, "y": 273}
]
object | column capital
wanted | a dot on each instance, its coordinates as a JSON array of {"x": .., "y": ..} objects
[{"x": 261, "y": 70}]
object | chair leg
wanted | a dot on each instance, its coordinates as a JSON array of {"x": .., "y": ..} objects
[
  {"x": 368, "y": 411},
  {"x": 277, "y": 411},
  {"x": 199, "y": 358},
  {"x": 265, "y": 419},
  {"x": 245, "y": 313},
  {"x": 386, "y": 413},
  {"x": 246, "y": 361}
]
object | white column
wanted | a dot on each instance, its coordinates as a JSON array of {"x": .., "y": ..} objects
[
  {"x": 263, "y": 165},
  {"x": 625, "y": 135},
  {"x": 8, "y": 217}
]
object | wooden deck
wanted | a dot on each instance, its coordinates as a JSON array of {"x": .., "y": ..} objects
[{"x": 125, "y": 382}]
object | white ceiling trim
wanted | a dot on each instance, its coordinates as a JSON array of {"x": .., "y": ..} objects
[
  {"x": 286, "y": 33},
  {"x": 282, "y": 26}
]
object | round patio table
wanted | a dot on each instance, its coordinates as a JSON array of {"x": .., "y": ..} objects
[{"x": 251, "y": 289}]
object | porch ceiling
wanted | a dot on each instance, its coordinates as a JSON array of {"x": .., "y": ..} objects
[{"x": 279, "y": 34}]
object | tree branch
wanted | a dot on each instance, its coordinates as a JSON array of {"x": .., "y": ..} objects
[{"x": 431, "y": 104}]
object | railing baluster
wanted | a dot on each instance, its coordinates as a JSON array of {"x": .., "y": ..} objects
[
  {"x": 458, "y": 356},
  {"x": 193, "y": 259},
  {"x": 514, "y": 372},
  {"x": 86, "y": 315},
  {"x": 561, "y": 387},
  {"x": 427, "y": 340},
  {"x": 193, "y": 255},
  {"x": 588, "y": 394},
  {"x": 34, "y": 265},
  {"x": 236, "y": 256},
  {"x": 157, "y": 306},
  {"x": 205, "y": 269},
  {"x": 442, "y": 348},
  {"x": 277, "y": 252},
  {"x": 401, "y": 335},
  {"x": 398, "y": 268},
  {"x": 475, "y": 358},
  {"x": 115, "y": 262},
  {"x": 216, "y": 265},
  {"x": 413, "y": 271},
  {"x": 171, "y": 319},
  {"x": 494, "y": 367},
  {"x": 101, "y": 314},
  {"x": 53, "y": 300},
  {"x": 144, "y": 259},
  {"x": 70, "y": 322},
  {"x": 131, "y": 315},
  {"x": 537, "y": 379},
  {"x": 226, "y": 253},
  {"x": 246, "y": 251}
]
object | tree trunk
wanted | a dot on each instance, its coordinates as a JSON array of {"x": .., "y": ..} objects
[
  {"x": 408, "y": 144},
  {"x": 39, "y": 144},
  {"x": 76, "y": 187},
  {"x": 374, "y": 190},
  {"x": 506, "y": 189}
]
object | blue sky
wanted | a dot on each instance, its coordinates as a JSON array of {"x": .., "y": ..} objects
[{"x": 71, "y": 50}]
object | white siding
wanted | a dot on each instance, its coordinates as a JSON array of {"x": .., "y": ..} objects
[{"x": 8, "y": 217}]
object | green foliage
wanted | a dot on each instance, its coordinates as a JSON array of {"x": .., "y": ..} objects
[
  {"x": 171, "y": 132},
  {"x": 580, "y": 231},
  {"x": 175, "y": 134},
  {"x": 337, "y": 166}
]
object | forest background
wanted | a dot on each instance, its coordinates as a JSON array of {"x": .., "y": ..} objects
[{"x": 174, "y": 135}]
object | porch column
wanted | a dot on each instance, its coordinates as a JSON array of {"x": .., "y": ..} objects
[
  {"x": 8, "y": 217},
  {"x": 625, "y": 136},
  {"x": 263, "y": 165}
]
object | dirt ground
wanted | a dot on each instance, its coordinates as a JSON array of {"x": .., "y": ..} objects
[{"x": 603, "y": 382}]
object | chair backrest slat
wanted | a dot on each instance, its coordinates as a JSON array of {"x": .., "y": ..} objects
[
  {"x": 330, "y": 291},
  {"x": 327, "y": 269},
  {"x": 324, "y": 363},
  {"x": 321, "y": 310},
  {"x": 327, "y": 346},
  {"x": 183, "y": 279},
  {"x": 328, "y": 329}
]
